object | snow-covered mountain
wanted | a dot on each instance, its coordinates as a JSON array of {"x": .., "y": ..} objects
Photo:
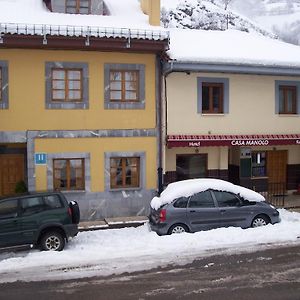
[
  {"x": 273, "y": 18},
  {"x": 207, "y": 15}
]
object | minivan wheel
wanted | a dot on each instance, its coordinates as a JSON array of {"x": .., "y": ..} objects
[
  {"x": 52, "y": 241},
  {"x": 260, "y": 221},
  {"x": 178, "y": 228}
]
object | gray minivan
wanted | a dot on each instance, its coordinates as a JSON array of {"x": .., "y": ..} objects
[{"x": 210, "y": 209}]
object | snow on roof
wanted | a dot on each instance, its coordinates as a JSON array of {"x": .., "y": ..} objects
[
  {"x": 32, "y": 17},
  {"x": 186, "y": 188},
  {"x": 231, "y": 47}
]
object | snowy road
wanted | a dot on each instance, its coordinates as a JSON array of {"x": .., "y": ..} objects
[{"x": 106, "y": 252}]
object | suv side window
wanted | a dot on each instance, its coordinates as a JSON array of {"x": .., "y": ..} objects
[
  {"x": 202, "y": 200},
  {"x": 226, "y": 199},
  {"x": 9, "y": 209},
  {"x": 53, "y": 201},
  {"x": 181, "y": 202},
  {"x": 32, "y": 205}
]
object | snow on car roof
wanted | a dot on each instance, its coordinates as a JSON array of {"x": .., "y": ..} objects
[{"x": 186, "y": 188}]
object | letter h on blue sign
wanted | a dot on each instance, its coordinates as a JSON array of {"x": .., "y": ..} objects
[{"x": 40, "y": 158}]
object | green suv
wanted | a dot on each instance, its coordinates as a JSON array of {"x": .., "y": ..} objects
[{"x": 44, "y": 220}]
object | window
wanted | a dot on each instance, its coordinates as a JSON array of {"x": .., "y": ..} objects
[
  {"x": 53, "y": 201},
  {"x": 226, "y": 199},
  {"x": 212, "y": 97},
  {"x": 3, "y": 84},
  {"x": 68, "y": 174},
  {"x": 32, "y": 205},
  {"x": 287, "y": 99},
  {"x": 66, "y": 85},
  {"x": 259, "y": 164},
  {"x": 124, "y": 86},
  {"x": 191, "y": 166},
  {"x": 124, "y": 172},
  {"x": 181, "y": 202},
  {"x": 202, "y": 200},
  {"x": 8, "y": 209},
  {"x": 78, "y": 6}
]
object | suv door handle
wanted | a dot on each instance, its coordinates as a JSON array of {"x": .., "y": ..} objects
[
  {"x": 192, "y": 211},
  {"x": 223, "y": 210}
]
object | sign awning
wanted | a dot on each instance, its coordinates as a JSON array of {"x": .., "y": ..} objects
[{"x": 232, "y": 140}]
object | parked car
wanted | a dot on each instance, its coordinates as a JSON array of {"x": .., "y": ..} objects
[
  {"x": 202, "y": 204},
  {"x": 45, "y": 220}
]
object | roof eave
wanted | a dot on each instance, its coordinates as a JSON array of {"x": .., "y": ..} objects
[
  {"x": 176, "y": 66},
  {"x": 83, "y": 43}
]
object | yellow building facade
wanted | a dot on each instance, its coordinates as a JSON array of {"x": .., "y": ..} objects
[{"x": 81, "y": 121}]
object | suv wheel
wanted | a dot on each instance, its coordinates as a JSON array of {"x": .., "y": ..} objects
[{"x": 52, "y": 241}]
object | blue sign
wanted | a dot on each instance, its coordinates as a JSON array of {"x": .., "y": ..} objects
[{"x": 40, "y": 158}]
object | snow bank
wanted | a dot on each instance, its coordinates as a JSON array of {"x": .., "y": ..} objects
[
  {"x": 189, "y": 187},
  {"x": 114, "y": 251}
]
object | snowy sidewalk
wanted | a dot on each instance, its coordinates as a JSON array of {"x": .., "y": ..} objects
[
  {"x": 292, "y": 203},
  {"x": 113, "y": 223}
]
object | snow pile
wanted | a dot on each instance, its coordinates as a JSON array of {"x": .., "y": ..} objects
[
  {"x": 114, "y": 251},
  {"x": 233, "y": 47},
  {"x": 189, "y": 187}
]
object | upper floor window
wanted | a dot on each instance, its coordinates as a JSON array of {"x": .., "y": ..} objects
[
  {"x": 78, "y": 6},
  {"x": 213, "y": 95},
  {"x": 124, "y": 86},
  {"x": 287, "y": 99},
  {"x": 3, "y": 84},
  {"x": 68, "y": 174},
  {"x": 66, "y": 85},
  {"x": 124, "y": 172}
]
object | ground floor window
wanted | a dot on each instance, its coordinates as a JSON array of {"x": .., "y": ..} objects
[
  {"x": 68, "y": 174},
  {"x": 124, "y": 172},
  {"x": 190, "y": 166},
  {"x": 259, "y": 166}
]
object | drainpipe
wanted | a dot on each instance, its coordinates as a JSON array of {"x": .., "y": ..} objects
[{"x": 159, "y": 124}]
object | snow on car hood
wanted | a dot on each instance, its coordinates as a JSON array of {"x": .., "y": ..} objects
[{"x": 189, "y": 187}]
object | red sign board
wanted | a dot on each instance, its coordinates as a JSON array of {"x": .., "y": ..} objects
[{"x": 232, "y": 140}]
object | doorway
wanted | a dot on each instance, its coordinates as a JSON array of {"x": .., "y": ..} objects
[
  {"x": 11, "y": 172},
  {"x": 189, "y": 166}
]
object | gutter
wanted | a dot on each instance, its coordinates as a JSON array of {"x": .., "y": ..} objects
[{"x": 176, "y": 66}]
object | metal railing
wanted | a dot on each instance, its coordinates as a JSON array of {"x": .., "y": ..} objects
[
  {"x": 275, "y": 194},
  {"x": 82, "y": 31}
]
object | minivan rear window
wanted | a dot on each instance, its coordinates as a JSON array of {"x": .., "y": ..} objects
[{"x": 181, "y": 202}]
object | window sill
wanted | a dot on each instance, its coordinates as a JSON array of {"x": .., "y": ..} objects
[
  {"x": 259, "y": 177},
  {"x": 72, "y": 191},
  {"x": 124, "y": 189},
  {"x": 215, "y": 115},
  {"x": 288, "y": 115}
]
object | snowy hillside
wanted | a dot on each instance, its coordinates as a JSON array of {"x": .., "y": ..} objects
[
  {"x": 207, "y": 15},
  {"x": 283, "y": 18}
]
